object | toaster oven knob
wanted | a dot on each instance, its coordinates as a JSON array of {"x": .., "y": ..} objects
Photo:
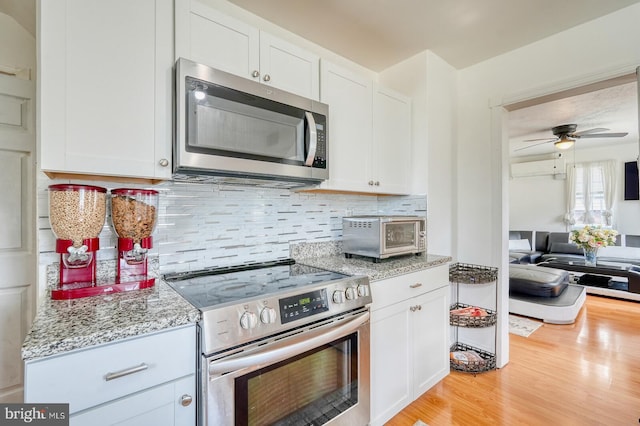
[
  {"x": 248, "y": 320},
  {"x": 268, "y": 316},
  {"x": 363, "y": 290},
  {"x": 338, "y": 297},
  {"x": 351, "y": 293}
]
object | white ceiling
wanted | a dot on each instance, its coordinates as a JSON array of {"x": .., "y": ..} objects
[
  {"x": 380, "y": 33},
  {"x": 614, "y": 108}
]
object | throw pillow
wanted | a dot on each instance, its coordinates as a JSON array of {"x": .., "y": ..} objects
[{"x": 520, "y": 245}]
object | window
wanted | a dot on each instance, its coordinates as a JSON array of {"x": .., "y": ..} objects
[{"x": 591, "y": 191}]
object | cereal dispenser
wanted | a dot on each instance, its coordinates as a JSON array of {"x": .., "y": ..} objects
[
  {"x": 77, "y": 214},
  {"x": 134, "y": 213}
]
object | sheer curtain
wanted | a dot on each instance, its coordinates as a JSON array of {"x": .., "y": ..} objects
[
  {"x": 609, "y": 183},
  {"x": 569, "y": 217},
  {"x": 591, "y": 191}
]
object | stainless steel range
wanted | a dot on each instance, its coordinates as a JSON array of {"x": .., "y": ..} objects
[{"x": 280, "y": 343}]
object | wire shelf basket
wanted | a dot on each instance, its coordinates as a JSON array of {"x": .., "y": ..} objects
[
  {"x": 487, "y": 360},
  {"x": 472, "y": 274},
  {"x": 486, "y": 320}
]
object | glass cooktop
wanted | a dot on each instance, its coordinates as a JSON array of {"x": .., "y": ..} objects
[{"x": 228, "y": 285}]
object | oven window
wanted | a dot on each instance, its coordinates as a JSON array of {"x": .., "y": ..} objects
[
  {"x": 398, "y": 235},
  {"x": 309, "y": 389}
]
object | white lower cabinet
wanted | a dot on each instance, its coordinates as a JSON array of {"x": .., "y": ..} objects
[
  {"x": 147, "y": 380},
  {"x": 409, "y": 339},
  {"x": 160, "y": 406}
]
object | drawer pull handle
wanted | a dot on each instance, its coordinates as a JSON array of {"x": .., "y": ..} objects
[
  {"x": 122, "y": 373},
  {"x": 416, "y": 285}
]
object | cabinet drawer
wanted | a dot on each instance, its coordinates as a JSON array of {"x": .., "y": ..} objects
[
  {"x": 93, "y": 376},
  {"x": 393, "y": 290},
  {"x": 158, "y": 406}
]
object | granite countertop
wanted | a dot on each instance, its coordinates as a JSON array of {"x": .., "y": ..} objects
[
  {"x": 387, "y": 268},
  {"x": 65, "y": 325}
]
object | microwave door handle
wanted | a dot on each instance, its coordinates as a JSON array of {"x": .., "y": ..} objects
[
  {"x": 313, "y": 139},
  {"x": 300, "y": 344}
]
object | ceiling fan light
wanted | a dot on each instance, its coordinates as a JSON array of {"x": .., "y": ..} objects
[{"x": 564, "y": 143}]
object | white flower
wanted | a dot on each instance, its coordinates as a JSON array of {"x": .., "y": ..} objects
[{"x": 593, "y": 237}]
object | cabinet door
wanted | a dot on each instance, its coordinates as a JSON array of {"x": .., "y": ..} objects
[
  {"x": 160, "y": 406},
  {"x": 105, "y": 87},
  {"x": 392, "y": 141},
  {"x": 391, "y": 361},
  {"x": 430, "y": 339},
  {"x": 349, "y": 97},
  {"x": 209, "y": 37},
  {"x": 289, "y": 67}
]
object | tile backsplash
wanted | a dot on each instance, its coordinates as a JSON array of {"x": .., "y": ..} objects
[{"x": 209, "y": 225}]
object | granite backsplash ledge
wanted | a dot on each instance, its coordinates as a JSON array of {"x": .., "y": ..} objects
[{"x": 329, "y": 256}]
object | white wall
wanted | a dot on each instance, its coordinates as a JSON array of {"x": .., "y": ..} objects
[
  {"x": 539, "y": 202},
  {"x": 603, "y": 48},
  {"x": 18, "y": 46}
]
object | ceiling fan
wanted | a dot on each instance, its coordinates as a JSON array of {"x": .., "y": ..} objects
[{"x": 566, "y": 135}]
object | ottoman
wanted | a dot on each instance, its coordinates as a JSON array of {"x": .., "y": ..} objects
[
  {"x": 536, "y": 281},
  {"x": 544, "y": 293}
]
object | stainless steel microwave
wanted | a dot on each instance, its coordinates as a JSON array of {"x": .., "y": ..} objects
[
  {"x": 231, "y": 126},
  {"x": 381, "y": 237}
]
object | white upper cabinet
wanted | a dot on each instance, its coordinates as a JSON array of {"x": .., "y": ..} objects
[
  {"x": 105, "y": 73},
  {"x": 369, "y": 134},
  {"x": 349, "y": 97},
  {"x": 207, "y": 36},
  {"x": 391, "y": 141}
]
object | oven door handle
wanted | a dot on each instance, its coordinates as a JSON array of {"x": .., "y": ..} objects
[{"x": 295, "y": 346}]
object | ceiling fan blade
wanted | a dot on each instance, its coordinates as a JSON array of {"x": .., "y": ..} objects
[
  {"x": 603, "y": 135},
  {"x": 594, "y": 130},
  {"x": 541, "y": 139},
  {"x": 535, "y": 144}
]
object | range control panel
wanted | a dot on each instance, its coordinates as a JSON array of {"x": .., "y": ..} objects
[
  {"x": 258, "y": 318},
  {"x": 303, "y": 305}
]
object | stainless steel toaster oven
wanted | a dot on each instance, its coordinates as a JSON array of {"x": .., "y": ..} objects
[{"x": 381, "y": 237}]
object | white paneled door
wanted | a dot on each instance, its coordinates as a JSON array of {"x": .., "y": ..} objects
[{"x": 17, "y": 228}]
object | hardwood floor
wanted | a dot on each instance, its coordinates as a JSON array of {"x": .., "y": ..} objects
[{"x": 586, "y": 373}]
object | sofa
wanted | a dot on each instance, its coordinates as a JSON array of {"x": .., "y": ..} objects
[
  {"x": 545, "y": 292},
  {"x": 527, "y": 247}
]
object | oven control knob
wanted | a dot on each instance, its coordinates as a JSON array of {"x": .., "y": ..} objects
[
  {"x": 351, "y": 293},
  {"x": 363, "y": 290},
  {"x": 248, "y": 320},
  {"x": 268, "y": 316},
  {"x": 338, "y": 297}
]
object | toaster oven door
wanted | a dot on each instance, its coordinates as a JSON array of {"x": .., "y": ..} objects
[{"x": 400, "y": 237}]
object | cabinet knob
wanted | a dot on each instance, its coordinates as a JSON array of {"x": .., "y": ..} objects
[
  {"x": 266, "y": 77},
  {"x": 370, "y": 183},
  {"x": 377, "y": 183},
  {"x": 185, "y": 400},
  {"x": 255, "y": 74},
  {"x": 163, "y": 162}
]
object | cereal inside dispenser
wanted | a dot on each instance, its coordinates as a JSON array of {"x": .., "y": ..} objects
[
  {"x": 77, "y": 214},
  {"x": 134, "y": 214}
]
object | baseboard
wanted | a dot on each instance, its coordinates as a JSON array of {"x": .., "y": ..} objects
[{"x": 12, "y": 395}]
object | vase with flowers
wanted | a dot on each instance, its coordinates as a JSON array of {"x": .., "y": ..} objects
[{"x": 590, "y": 239}]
